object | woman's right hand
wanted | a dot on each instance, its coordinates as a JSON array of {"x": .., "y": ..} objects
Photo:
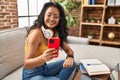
[{"x": 49, "y": 54}]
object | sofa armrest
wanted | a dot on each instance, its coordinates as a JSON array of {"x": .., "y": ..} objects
[{"x": 77, "y": 40}]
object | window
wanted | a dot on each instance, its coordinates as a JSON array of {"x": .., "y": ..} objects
[{"x": 28, "y": 10}]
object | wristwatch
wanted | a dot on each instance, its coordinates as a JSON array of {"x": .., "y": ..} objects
[{"x": 68, "y": 55}]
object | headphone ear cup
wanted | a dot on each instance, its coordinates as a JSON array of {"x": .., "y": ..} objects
[{"x": 48, "y": 33}]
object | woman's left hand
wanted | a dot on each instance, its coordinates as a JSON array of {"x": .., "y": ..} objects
[{"x": 68, "y": 62}]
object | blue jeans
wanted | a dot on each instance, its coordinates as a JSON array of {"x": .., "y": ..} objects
[{"x": 48, "y": 72}]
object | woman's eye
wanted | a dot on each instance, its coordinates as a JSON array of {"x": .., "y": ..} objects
[
  {"x": 53, "y": 16},
  {"x": 56, "y": 17},
  {"x": 48, "y": 15}
]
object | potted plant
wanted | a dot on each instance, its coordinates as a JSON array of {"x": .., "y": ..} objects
[
  {"x": 118, "y": 21},
  {"x": 69, "y": 6},
  {"x": 86, "y": 19},
  {"x": 92, "y": 19},
  {"x": 90, "y": 35}
]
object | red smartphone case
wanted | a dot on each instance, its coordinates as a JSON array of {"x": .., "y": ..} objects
[{"x": 54, "y": 43}]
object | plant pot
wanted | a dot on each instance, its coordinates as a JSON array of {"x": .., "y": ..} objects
[
  {"x": 90, "y": 37},
  {"x": 118, "y": 22},
  {"x": 86, "y": 20},
  {"x": 92, "y": 21}
]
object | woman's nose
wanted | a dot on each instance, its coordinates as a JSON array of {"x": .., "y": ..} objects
[{"x": 52, "y": 17}]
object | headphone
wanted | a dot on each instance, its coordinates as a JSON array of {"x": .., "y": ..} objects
[{"x": 47, "y": 32}]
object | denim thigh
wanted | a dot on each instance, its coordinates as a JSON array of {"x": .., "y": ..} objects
[
  {"x": 45, "y": 72},
  {"x": 29, "y": 73}
]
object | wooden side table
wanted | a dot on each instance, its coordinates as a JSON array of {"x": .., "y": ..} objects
[{"x": 102, "y": 77}]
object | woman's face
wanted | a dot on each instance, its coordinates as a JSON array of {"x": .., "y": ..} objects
[{"x": 52, "y": 17}]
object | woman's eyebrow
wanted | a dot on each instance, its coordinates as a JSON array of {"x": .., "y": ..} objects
[{"x": 52, "y": 13}]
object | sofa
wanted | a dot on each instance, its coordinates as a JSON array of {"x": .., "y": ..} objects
[{"x": 12, "y": 43}]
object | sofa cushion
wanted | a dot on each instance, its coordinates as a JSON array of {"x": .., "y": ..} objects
[
  {"x": 16, "y": 75},
  {"x": 77, "y": 40},
  {"x": 11, "y": 50},
  {"x": 108, "y": 55}
]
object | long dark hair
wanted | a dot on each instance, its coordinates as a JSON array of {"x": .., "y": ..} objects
[{"x": 61, "y": 27}]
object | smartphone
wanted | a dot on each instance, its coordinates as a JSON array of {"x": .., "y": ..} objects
[{"x": 54, "y": 43}]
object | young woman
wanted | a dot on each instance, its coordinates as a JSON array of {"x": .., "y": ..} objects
[{"x": 50, "y": 23}]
